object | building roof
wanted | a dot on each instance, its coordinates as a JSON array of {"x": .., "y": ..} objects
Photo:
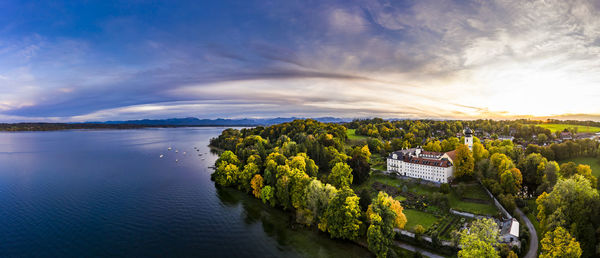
[
  {"x": 468, "y": 131},
  {"x": 428, "y": 162},
  {"x": 452, "y": 155},
  {"x": 510, "y": 227}
]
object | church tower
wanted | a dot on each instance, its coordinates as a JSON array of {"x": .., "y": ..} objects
[{"x": 469, "y": 138}]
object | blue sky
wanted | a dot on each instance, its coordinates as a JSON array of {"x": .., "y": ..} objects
[{"x": 110, "y": 60}]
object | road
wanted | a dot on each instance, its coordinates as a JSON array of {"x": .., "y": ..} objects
[{"x": 533, "y": 239}]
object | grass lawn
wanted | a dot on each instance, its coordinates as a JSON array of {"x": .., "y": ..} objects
[
  {"x": 399, "y": 198},
  {"x": 476, "y": 192},
  {"x": 415, "y": 217},
  {"x": 472, "y": 207},
  {"x": 594, "y": 163},
  {"x": 352, "y": 135},
  {"x": 561, "y": 127}
]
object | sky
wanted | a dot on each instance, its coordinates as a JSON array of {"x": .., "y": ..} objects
[{"x": 70, "y": 61}]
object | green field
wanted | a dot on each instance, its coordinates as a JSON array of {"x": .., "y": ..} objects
[
  {"x": 352, "y": 135},
  {"x": 415, "y": 217},
  {"x": 561, "y": 127},
  {"x": 472, "y": 207},
  {"x": 594, "y": 163}
]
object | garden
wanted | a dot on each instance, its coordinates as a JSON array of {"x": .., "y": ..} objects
[{"x": 428, "y": 204}]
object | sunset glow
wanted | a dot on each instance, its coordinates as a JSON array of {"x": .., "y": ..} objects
[{"x": 416, "y": 59}]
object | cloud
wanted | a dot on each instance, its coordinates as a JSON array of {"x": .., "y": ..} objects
[{"x": 449, "y": 59}]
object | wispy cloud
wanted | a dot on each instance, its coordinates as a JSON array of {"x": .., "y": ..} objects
[{"x": 449, "y": 59}]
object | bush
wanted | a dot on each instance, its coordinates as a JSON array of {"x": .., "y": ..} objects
[{"x": 508, "y": 201}]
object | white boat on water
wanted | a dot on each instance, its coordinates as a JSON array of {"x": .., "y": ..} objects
[
  {"x": 176, "y": 160},
  {"x": 161, "y": 156},
  {"x": 169, "y": 148},
  {"x": 176, "y": 151}
]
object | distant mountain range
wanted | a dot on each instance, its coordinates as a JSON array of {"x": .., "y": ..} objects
[{"x": 192, "y": 121}]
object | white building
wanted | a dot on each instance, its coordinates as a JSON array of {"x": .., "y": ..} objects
[
  {"x": 509, "y": 231},
  {"x": 469, "y": 138},
  {"x": 431, "y": 166}
]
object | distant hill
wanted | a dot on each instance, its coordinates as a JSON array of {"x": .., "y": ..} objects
[{"x": 192, "y": 121}]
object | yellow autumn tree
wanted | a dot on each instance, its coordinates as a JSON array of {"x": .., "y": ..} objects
[{"x": 257, "y": 184}]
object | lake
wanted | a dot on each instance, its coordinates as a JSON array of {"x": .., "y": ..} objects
[{"x": 109, "y": 193}]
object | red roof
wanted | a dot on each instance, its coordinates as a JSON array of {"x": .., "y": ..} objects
[
  {"x": 451, "y": 154},
  {"x": 428, "y": 162}
]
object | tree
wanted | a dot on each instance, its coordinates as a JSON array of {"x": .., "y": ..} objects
[
  {"x": 559, "y": 243},
  {"x": 480, "y": 239},
  {"x": 341, "y": 175},
  {"x": 511, "y": 180},
  {"x": 376, "y": 238},
  {"x": 341, "y": 219},
  {"x": 464, "y": 163},
  {"x": 318, "y": 197},
  {"x": 228, "y": 157},
  {"x": 267, "y": 195},
  {"x": 532, "y": 167},
  {"x": 359, "y": 163},
  {"x": 419, "y": 230},
  {"x": 500, "y": 163},
  {"x": 283, "y": 192},
  {"x": 574, "y": 205},
  {"x": 479, "y": 152},
  {"x": 246, "y": 175},
  {"x": 586, "y": 172},
  {"x": 226, "y": 174},
  {"x": 384, "y": 214},
  {"x": 257, "y": 184},
  {"x": 551, "y": 171},
  {"x": 434, "y": 146}
]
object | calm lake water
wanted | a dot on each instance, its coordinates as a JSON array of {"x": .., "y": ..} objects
[{"x": 107, "y": 193}]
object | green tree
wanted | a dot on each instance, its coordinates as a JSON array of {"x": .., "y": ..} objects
[
  {"x": 227, "y": 157},
  {"x": 341, "y": 219},
  {"x": 435, "y": 146},
  {"x": 559, "y": 243},
  {"x": 359, "y": 163},
  {"x": 532, "y": 167},
  {"x": 480, "y": 239},
  {"x": 283, "y": 192},
  {"x": 464, "y": 162},
  {"x": 318, "y": 197},
  {"x": 226, "y": 174},
  {"x": 376, "y": 236},
  {"x": 551, "y": 173},
  {"x": 511, "y": 180},
  {"x": 500, "y": 163},
  {"x": 267, "y": 195},
  {"x": 341, "y": 175},
  {"x": 574, "y": 205},
  {"x": 246, "y": 175}
]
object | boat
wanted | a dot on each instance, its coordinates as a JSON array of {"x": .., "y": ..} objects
[
  {"x": 176, "y": 160},
  {"x": 176, "y": 151},
  {"x": 169, "y": 148},
  {"x": 184, "y": 153},
  {"x": 161, "y": 156}
]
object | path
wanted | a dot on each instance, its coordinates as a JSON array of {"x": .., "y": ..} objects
[{"x": 533, "y": 239}]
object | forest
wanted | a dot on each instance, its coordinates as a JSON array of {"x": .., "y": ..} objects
[{"x": 312, "y": 169}]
